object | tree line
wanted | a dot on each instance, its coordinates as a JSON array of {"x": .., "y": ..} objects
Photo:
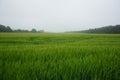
[
  {"x": 107, "y": 29},
  {"x": 4, "y": 28}
]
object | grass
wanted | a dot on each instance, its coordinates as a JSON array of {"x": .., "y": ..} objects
[{"x": 34, "y": 56}]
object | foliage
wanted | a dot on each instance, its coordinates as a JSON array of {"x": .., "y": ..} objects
[
  {"x": 107, "y": 29},
  {"x": 8, "y": 29},
  {"x": 33, "y": 30},
  {"x": 5, "y": 29}
]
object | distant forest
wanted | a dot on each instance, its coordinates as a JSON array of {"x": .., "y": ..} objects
[
  {"x": 4, "y": 28},
  {"x": 107, "y": 29}
]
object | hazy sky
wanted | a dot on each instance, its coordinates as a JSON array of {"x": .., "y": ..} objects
[{"x": 59, "y": 15}]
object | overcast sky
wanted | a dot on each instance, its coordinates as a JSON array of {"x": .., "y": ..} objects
[{"x": 59, "y": 15}]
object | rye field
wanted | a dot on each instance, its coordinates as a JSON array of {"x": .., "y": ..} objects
[{"x": 42, "y": 56}]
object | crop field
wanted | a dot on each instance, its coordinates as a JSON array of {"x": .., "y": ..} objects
[{"x": 42, "y": 56}]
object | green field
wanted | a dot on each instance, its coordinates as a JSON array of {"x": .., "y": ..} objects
[{"x": 40, "y": 56}]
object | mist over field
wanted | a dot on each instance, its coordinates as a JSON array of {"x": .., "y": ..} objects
[{"x": 59, "y": 40}]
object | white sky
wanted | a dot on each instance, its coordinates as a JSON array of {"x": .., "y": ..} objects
[{"x": 59, "y": 15}]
